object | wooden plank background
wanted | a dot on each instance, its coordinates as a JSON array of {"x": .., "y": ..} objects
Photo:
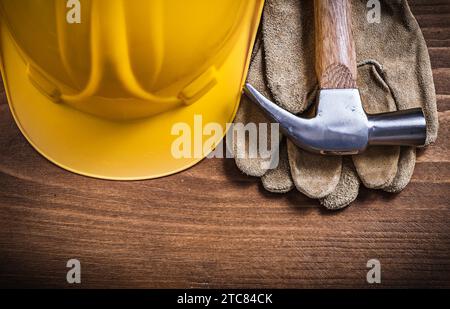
[{"x": 212, "y": 227}]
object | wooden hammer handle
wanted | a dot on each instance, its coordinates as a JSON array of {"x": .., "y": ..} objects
[{"x": 335, "y": 48}]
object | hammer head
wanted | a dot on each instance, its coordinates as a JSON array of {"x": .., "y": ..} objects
[{"x": 341, "y": 126}]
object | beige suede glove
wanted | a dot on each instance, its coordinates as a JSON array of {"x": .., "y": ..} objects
[{"x": 394, "y": 73}]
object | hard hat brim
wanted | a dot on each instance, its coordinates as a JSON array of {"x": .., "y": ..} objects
[{"x": 117, "y": 150}]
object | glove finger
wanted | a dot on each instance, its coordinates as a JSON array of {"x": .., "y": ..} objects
[
  {"x": 347, "y": 189},
  {"x": 314, "y": 175},
  {"x": 247, "y": 160},
  {"x": 377, "y": 166},
  {"x": 398, "y": 43},
  {"x": 279, "y": 180},
  {"x": 288, "y": 46},
  {"x": 245, "y": 148},
  {"x": 406, "y": 167}
]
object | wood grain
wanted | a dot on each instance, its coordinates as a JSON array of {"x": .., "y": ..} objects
[
  {"x": 335, "y": 47},
  {"x": 213, "y": 227}
]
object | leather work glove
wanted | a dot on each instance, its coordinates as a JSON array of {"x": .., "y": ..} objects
[{"x": 394, "y": 73}]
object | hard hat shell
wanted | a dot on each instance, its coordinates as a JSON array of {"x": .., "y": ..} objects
[{"x": 100, "y": 97}]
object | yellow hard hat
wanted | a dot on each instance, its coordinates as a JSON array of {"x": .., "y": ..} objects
[{"x": 97, "y": 85}]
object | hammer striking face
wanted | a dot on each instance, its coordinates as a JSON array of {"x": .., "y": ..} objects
[{"x": 341, "y": 125}]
